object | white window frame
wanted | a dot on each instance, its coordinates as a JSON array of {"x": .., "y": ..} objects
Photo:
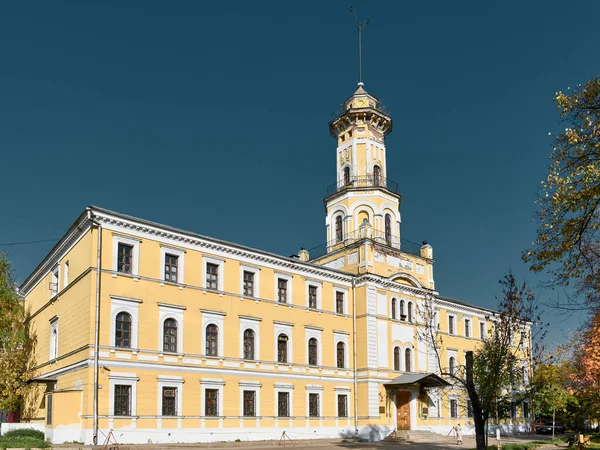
[
  {"x": 342, "y": 391},
  {"x": 314, "y": 333},
  {"x": 314, "y": 389},
  {"x": 345, "y": 293},
  {"x": 211, "y": 383},
  {"x": 470, "y": 321},
  {"x": 53, "y": 350},
  {"x": 248, "y": 385},
  {"x": 484, "y": 336},
  {"x": 284, "y": 328},
  {"x": 55, "y": 280},
  {"x": 250, "y": 323},
  {"x": 220, "y": 271},
  {"x": 166, "y": 311},
  {"x": 256, "y": 272},
  {"x": 452, "y": 318},
  {"x": 123, "y": 379},
  {"x": 284, "y": 387},
  {"x": 180, "y": 254},
  {"x": 118, "y": 305},
  {"x": 135, "y": 243},
  {"x": 319, "y": 287},
  {"x": 288, "y": 278},
  {"x": 217, "y": 318},
  {"x": 339, "y": 336},
  {"x": 65, "y": 274},
  {"x": 170, "y": 381}
]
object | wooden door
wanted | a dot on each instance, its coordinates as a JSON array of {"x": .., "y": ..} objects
[{"x": 403, "y": 410}]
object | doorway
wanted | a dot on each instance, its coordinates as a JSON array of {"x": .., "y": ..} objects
[{"x": 403, "y": 410}]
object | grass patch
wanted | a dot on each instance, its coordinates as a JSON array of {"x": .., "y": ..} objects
[
  {"x": 23, "y": 438},
  {"x": 22, "y": 442}
]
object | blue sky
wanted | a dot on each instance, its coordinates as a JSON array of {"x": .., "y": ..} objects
[{"x": 212, "y": 116}]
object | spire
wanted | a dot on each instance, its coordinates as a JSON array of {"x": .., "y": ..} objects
[{"x": 360, "y": 26}]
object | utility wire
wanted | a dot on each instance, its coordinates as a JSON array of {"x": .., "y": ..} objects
[
  {"x": 27, "y": 242},
  {"x": 30, "y": 220}
]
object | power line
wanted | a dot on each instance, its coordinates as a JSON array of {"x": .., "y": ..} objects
[{"x": 27, "y": 242}]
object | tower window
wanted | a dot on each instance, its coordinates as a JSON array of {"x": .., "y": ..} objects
[
  {"x": 339, "y": 233},
  {"x": 402, "y": 313},
  {"x": 388, "y": 230},
  {"x": 376, "y": 175},
  {"x": 346, "y": 175},
  {"x": 407, "y": 360},
  {"x": 397, "y": 359},
  {"x": 393, "y": 308}
]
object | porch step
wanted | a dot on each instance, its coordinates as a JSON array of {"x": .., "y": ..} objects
[{"x": 423, "y": 436}]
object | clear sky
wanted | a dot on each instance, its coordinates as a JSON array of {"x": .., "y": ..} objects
[{"x": 212, "y": 117}]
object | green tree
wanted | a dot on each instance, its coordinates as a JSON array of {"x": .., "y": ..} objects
[
  {"x": 567, "y": 242},
  {"x": 16, "y": 343},
  {"x": 495, "y": 366}
]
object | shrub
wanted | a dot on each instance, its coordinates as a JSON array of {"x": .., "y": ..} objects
[
  {"x": 22, "y": 442},
  {"x": 24, "y": 432}
]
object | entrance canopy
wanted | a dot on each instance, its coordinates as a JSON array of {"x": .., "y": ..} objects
[{"x": 428, "y": 380}]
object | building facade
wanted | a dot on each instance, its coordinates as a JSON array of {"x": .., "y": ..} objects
[{"x": 164, "y": 335}]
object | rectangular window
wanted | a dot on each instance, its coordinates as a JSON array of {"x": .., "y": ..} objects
[
  {"x": 513, "y": 409},
  {"x": 171, "y": 268},
  {"x": 313, "y": 405},
  {"x": 211, "y": 402},
  {"x": 248, "y": 283},
  {"x": 525, "y": 410},
  {"x": 342, "y": 406},
  {"x": 54, "y": 282},
  {"x": 450, "y": 324},
  {"x": 339, "y": 302},
  {"x": 249, "y": 403},
  {"x": 469, "y": 409},
  {"x": 122, "y": 400},
  {"x": 312, "y": 297},
  {"x": 283, "y": 404},
  {"x": 66, "y": 275},
  {"x": 169, "y": 401},
  {"x": 124, "y": 258},
  {"x": 482, "y": 330},
  {"x": 281, "y": 290},
  {"x": 467, "y": 328},
  {"x": 212, "y": 276},
  {"x": 49, "y": 409},
  {"x": 453, "y": 408},
  {"x": 54, "y": 339}
]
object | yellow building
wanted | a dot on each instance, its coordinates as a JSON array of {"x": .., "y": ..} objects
[{"x": 165, "y": 335}]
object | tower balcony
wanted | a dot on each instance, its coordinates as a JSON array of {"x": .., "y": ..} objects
[
  {"x": 354, "y": 237},
  {"x": 363, "y": 181}
]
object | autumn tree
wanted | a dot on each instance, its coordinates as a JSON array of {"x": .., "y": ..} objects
[
  {"x": 567, "y": 242},
  {"x": 496, "y": 365},
  {"x": 16, "y": 343}
]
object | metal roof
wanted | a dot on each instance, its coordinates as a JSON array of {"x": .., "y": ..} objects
[{"x": 424, "y": 379}]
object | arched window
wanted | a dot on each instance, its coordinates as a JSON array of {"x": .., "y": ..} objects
[
  {"x": 339, "y": 231},
  {"x": 340, "y": 355},
  {"x": 388, "y": 229},
  {"x": 407, "y": 360},
  {"x": 123, "y": 330},
  {"x": 313, "y": 352},
  {"x": 346, "y": 175},
  {"x": 212, "y": 340},
  {"x": 248, "y": 344},
  {"x": 402, "y": 312},
  {"x": 410, "y": 311},
  {"x": 397, "y": 359},
  {"x": 282, "y": 347},
  {"x": 393, "y": 308},
  {"x": 452, "y": 365},
  {"x": 170, "y": 335},
  {"x": 376, "y": 175}
]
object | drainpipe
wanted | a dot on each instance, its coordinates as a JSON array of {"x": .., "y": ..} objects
[
  {"x": 354, "y": 356},
  {"x": 97, "y": 330}
]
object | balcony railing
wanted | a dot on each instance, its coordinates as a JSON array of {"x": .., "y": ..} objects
[
  {"x": 378, "y": 237},
  {"x": 363, "y": 181}
]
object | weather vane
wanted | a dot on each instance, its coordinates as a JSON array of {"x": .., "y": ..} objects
[{"x": 360, "y": 26}]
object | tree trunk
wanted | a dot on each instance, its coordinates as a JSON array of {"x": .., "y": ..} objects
[
  {"x": 475, "y": 404},
  {"x": 553, "y": 418}
]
